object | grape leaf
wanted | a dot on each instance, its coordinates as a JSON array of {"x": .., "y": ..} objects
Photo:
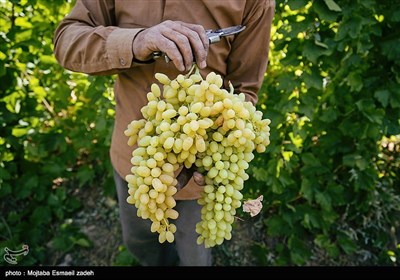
[{"x": 332, "y": 5}]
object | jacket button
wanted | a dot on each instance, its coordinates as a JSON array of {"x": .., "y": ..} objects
[{"x": 122, "y": 61}]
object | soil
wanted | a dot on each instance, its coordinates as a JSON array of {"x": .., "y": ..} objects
[{"x": 99, "y": 221}]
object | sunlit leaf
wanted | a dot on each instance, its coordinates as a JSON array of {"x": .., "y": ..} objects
[
  {"x": 332, "y": 5},
  {"x": 82, "y": 242},
  {"x": 23, "y": 22}
]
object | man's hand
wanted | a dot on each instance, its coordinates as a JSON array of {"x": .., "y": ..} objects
[
  {"x": 185, "y": 175},
  {"x": 182, "y": 42}
]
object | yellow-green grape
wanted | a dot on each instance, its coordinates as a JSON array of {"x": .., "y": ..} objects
[
  {"x": 196, "y": 122},
  {"x": 169, "y": 236},
  {"x": 162, "y": 237},
  {"x": 153, "y": 197},
  {"x": 162, "y": 78}
]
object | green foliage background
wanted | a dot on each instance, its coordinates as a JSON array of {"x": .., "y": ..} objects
[{"x": 330, "y": 177}]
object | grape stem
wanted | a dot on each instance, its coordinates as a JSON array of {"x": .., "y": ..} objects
[
  {"x": 232, "y": 89},
  {"x": 193, "y": 68},
  {"x": 239, "y": 218},
  {"x": 166, "y": 222}
]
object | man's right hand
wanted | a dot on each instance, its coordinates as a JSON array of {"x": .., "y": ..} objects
[{"x": 182, "y": 42}]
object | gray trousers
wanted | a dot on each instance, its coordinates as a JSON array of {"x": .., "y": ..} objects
[{"x": 144, "y": 245}]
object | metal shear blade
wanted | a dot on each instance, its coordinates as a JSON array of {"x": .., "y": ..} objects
[{"x": 215, "y": 35}]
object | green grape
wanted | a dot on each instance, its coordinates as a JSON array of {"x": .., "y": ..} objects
[{"x": 193, "y": 121}]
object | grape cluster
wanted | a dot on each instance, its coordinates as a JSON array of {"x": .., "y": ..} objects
[{"x": 195, "y": 122}]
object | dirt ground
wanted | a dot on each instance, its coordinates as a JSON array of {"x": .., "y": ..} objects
[{"x": 99, "y": 221}]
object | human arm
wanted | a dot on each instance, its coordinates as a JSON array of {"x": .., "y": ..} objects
[
  {"x": 248, "y": 58},
  {"x": 88, "y": 41}
]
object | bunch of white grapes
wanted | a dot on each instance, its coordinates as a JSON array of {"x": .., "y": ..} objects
[{"x": 194, "y": 122}]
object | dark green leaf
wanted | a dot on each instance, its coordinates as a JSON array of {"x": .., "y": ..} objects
[
  {"x": 323, "y": 11},
  {"x": 321, "y": 240},
  {"x": 347, "y": 245},
  {"x": 382, "y": 96},
  {"x": 329, "y": 115},
  {"x": 299, "y": 250},
  {"x": 324, "y": 200},
  {"x": 307, "y": 189},
  {"x": 313, "y": 81},
  {"x": 395, "y": 99},
  {"x": 286, "y": 83},
  {"x": 368, "y": 109},
  {"x": 390, "y": 48},
  {"x": 392, "y": 127},
  {"x": 5, "y": 189},
  {"x": 124, "y": 258},
  {"x": 276, "y": 225},
  {"x": 354, "y": 81},
  {"x": 332, "y": 250},
  {"x": 312, "y": 51},
  {"x": 53, "y": 200},
  {"x": 41, "y": 215},
  {"x": 4, "y": 174},
  {"x": 31, "y": 182},
  {"x": 84, "y": 175},
  {"x": 295, "y": 5},
  {"x": 310, "y": 159},
  {"x": 260, "y": 174},
  {"x": 396, "y": 16},
  {"x": 26, "y": 185},
  {"x": 355, "y": 26},
  {"x": 365, "y": 181},
  {"x": 60, "y": 243},
  {"x": 353, "y": 160}
]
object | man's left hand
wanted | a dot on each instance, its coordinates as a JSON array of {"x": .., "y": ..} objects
[{"x": 185, "y": 175}]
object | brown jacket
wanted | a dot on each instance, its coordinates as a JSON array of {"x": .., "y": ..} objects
[{"x": 96, "y": 38}]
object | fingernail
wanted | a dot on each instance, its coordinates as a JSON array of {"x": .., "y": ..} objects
[{"x": 203, "y": 64}]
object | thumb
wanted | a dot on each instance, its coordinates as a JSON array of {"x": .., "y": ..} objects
[{"x": 199, "y": 178}]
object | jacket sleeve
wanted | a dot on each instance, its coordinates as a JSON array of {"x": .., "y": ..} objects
[
  {"x": 88, "y": 41},
  {"x": 248, "y": 59}
]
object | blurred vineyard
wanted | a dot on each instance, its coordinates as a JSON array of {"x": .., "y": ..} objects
[{"x": 330, "y": 177}]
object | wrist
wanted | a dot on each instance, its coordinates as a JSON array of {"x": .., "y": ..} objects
[{"x": 135, "y": 50}]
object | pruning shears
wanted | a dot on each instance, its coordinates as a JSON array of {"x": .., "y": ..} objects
[{"x": 213, "y": 36}]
